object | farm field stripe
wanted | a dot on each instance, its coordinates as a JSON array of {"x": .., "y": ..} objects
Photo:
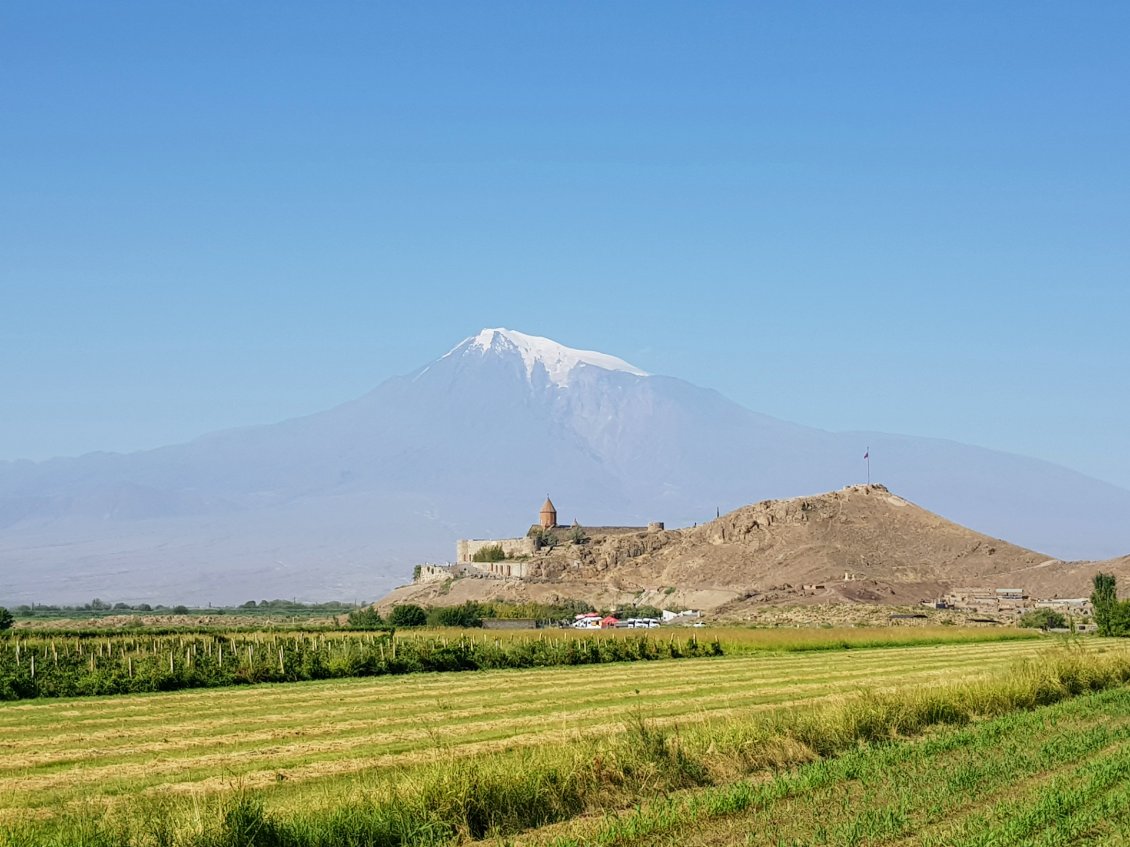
[
  {"x": 828, "y": 787},
  {"x": 489, "y": 684},
  {"x": 735, "y": 693},
  {"x": 554, "y": 719},
  {"x": 157, "y": 773},
  {"x": 238, "y": 693},
  {"x": 657, "y": 704}
]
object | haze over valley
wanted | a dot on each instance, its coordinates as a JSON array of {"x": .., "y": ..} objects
[{"x": 341, "y": 504}]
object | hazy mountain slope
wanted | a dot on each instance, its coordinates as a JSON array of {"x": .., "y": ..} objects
[{"x": 343, "y": 502}]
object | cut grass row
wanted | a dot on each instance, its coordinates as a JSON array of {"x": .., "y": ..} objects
[
  {"x": 1005, "y": 776},
  {"x": 306, "y": 741}
]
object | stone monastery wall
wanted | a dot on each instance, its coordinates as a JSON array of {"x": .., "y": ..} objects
[{"x": 466, "y": 548}]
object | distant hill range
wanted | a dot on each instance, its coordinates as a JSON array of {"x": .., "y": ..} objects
[
  {"x": 859, "y": 544},
  {"x": 341, "y": 504}
]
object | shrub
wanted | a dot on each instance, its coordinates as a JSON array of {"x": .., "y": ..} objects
[
  {"x": 6, "y": 619},
  {"x": 407, "y": 615}
]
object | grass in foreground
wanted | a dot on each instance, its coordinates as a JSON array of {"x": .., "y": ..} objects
[
  {"x": 1055, "y": 775},
  {"x": 451, "y": 796},
  {"x": 330, "y": 735}
]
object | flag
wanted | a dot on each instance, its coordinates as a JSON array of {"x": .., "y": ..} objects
[{"x": 867, "y": 455}]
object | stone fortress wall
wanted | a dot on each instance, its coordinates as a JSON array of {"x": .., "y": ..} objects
[{"x": 466, "y": 548}]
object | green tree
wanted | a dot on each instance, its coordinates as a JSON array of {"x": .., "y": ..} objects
[
  {"x": 1043, "y": 619},
  {"x": 639, "y": 612},
  {"x": 545, "y": 539},
  {"x": 490, "y": 553},
  {"x": 366, "y": 619},
  {"x": 407, "y": 615},
  {"x": 1104, "y": 598},
  {"x": 465, "y": 615},
  {"x": 6, "y": 619},
  {"x": 1111, "y": 615}
]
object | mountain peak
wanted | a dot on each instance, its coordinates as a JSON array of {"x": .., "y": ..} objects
[{"x": 557, "y": 359}]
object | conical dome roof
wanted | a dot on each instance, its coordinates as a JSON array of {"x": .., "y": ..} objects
[{"x": 548, "y": 515}]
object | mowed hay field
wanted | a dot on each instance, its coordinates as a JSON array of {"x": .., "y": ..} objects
[{"x": 311, "y": 745}]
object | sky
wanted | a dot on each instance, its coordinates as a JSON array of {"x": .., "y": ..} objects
[{"x": 871, "y": 216}]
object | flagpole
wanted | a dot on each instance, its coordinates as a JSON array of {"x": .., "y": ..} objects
[{"x": 867, "y": 456}]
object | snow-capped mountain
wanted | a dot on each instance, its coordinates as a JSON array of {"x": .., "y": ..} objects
[
  {"x": 540, "y": 355},
  {"x": 341, "y": 504}
]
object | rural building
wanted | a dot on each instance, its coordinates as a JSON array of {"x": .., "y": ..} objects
[
  {"x": 1068, "y": 605},
  {"x": 997, "y": 601}
]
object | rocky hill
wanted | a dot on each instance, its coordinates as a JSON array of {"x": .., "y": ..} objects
[{"x": 861, "y": 544}]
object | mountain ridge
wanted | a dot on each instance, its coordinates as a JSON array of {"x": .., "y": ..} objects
[{"x": 341, "y": 503}]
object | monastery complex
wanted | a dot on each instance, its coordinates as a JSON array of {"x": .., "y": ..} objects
[{"x": 514, "y": 556}]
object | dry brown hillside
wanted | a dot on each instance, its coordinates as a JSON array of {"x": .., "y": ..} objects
[{"x": 860, "y": 544}]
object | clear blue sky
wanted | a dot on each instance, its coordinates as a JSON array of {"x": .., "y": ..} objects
[{"x": 897, "y": 216}]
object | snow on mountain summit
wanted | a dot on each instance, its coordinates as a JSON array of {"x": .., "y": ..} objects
[{"x": 557, "y": 359}]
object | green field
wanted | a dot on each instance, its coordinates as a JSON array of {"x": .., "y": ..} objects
[
  {"x": 1055, "y": 776},
  {"x": 308, "y": 750}
]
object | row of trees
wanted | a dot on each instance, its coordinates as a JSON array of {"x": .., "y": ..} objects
[
  {"x": 467, "y": 615},
  {"x": 72, "y": 666},
  {"x": 471, "y": 614},
  {"x": 97, "y": 605}
]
